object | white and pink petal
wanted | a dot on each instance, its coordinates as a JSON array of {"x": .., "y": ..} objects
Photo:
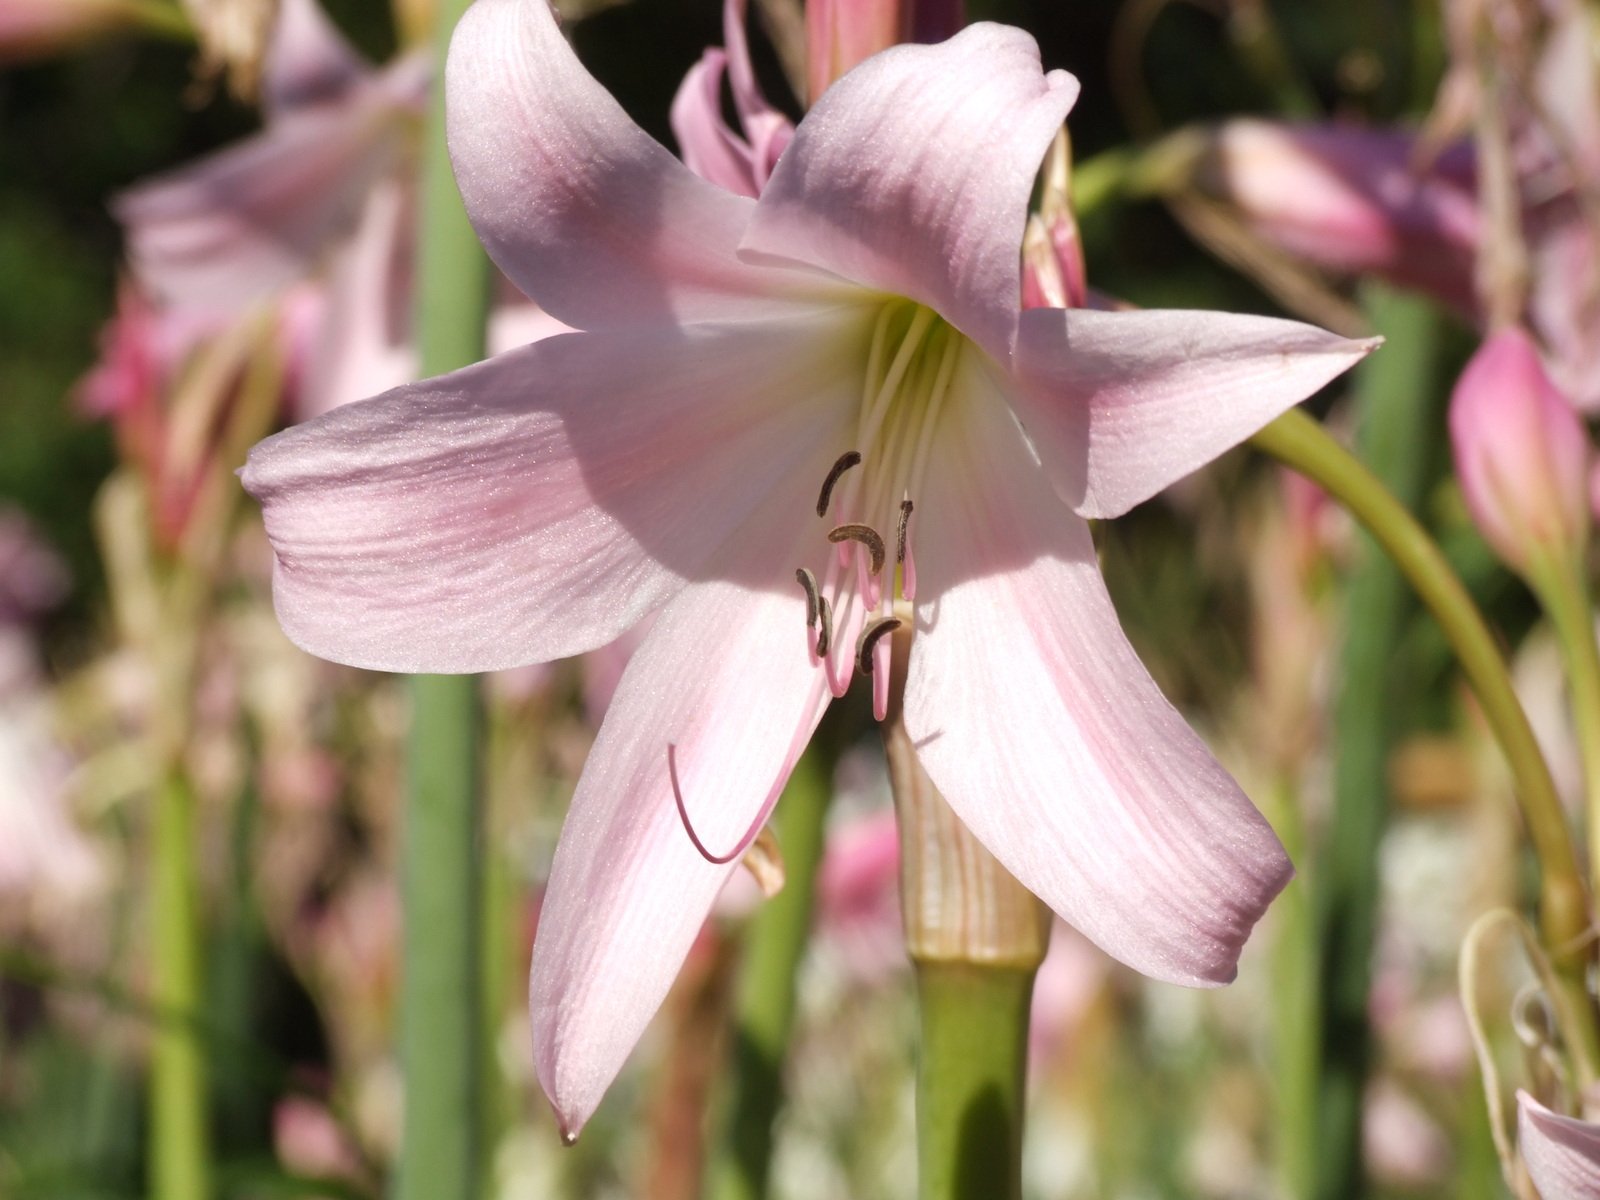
[
  {"x": 583, "y": 210},
  {"x": 1122, "y": 404},
  {"x": 538, "y": 504},
  {"x": 1036, "y": 720},
  {"x": 1562, "y": 1154},
  {"x": 724, "y": 678},
  {"x": 912, "y": 175}
]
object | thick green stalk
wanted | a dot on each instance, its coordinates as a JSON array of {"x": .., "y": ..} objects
[
  {"x": 441, "y": 1027},
  {"x": 178, "y": 1166},
  {"x": 1299, "y": 442},
  {"x": 764, "y": 1003},
  {"x": 1397, "y": 423},
  {"x": 441, "y": 1034},
  {"x": 970, "y": 1078}
]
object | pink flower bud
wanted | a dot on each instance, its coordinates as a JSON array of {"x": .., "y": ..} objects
[
  {"x": 1351, "y": 200},
  {"x": 841, "y": 33},
  {"x": 1522, "y": 453}
]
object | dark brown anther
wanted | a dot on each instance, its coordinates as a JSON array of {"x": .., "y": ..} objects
[
  {"x": 846, "y": 460},
  {"x": 825, "y": 626},
  {"x": 872, "y": 633},
  {"x": 905, "y": 524},
  {"x": 809, "y": 582},
  {"x": 867, "y": 536}
]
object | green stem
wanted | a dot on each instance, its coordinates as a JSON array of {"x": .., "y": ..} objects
[
  {"x": 1299, "y": 442},
  {"x": 764, "y": 1004},
  {"x": 441, "y": 1028},
  {"x": 1396, "y": 427},
  {"x": 179, "y": 1159},
  {"x": 441, "y": 1034},
  {"x": 1564, "y": 593},
  {"x": 970, "y": 1080},
  {"x": 1295, "y": 1049}
]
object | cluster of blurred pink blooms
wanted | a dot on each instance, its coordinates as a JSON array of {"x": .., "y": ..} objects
[{"x": 302, "y": 235}]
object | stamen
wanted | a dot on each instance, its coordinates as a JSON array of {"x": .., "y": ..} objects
[
  {"x": 825, "y": 629},
  {"x": 867, "y": 536},
  {"x": 874, "y": 632},
  {"x": 905, "y": 521},
  {"x": 809, "y": 582},
  {"x": 847, "y": 460}
]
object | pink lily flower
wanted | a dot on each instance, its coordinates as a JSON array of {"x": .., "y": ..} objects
[
  {"x": 735, "y": 359},
  {"x": 1562, "y": 1154}
]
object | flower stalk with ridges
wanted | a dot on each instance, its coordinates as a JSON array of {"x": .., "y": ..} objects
[{"x": 441, "y": 1018}]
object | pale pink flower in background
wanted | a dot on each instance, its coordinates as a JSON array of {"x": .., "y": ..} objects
[
  {"x": 1069, "y": 981},
  {"x": 315, "y": 213},
  {"x": 668, "y": 458},
  {"x": 33, "y": 579},
  {"x": 311, "y": 1142},
  {"x": 858, "y": 895},
  {"x": 1562, "y": 1154},
  {"x": 1351, "y": 199},
  {"x": 48, "y": 864},
  {"x": 165, "y": 381},
  {"x": 1404, "y": 1145},
  {"x": 241, "y": 225},
  {"x": 1522, "y": 454}
]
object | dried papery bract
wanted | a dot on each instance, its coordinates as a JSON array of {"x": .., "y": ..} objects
[
  {"x": 233, "y": 36},
  {"x": 959, "y": 905}
]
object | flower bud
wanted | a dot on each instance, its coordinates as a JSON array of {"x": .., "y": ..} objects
[
  {"x": 1350, "y": 200},
  {"x": 841, "y": 33},
  {"x": 1522, "y": 455}
]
